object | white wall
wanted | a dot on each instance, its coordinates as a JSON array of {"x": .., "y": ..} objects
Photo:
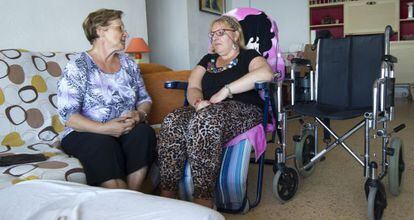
[
  {"x": 56, "y": 25},
  {"x": 168, "y": 33},
  {"x": 198, "y": 26},
  {"x": 177, "y": 30}
]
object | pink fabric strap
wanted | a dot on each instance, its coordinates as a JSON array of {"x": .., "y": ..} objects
[{"x": 256, "y": 137}]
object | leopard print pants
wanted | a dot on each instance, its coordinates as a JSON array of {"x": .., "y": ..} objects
[{"x": 199, "y": 137}]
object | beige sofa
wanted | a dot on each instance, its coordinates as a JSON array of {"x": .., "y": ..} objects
[{"x": 29, "y": 123}]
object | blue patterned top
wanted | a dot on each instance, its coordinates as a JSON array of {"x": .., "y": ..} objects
[{"x": 87, "y": 90}]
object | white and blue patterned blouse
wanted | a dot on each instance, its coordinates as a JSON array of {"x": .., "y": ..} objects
[{"x": 85, "y": 89}]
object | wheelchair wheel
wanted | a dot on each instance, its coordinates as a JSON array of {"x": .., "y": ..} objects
[
  {"x": 396, "y": 167},
  {"x": 304, "y": 151},
  {"x": 376, "y": 203},
  {"x": 246, "y": 207},
  {"x": 285, "y": 184}
]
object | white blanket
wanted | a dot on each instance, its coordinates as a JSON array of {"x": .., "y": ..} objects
[{"x": 52, "y": 199}]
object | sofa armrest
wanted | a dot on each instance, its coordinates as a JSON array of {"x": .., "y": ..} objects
[{"x": 164, "y": 100}]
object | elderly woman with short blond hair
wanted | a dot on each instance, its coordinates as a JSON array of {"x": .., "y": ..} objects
[{"x": 103, "y": 103}]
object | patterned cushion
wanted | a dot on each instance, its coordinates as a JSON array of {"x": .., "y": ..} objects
[
  {"x": 232, "y": 183},
  {"x": 29, "y": 122}
]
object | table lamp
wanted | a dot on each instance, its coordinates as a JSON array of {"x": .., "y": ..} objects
[{"x": 137, "y": 46}]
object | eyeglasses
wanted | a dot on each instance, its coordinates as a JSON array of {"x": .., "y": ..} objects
[
  {"x": 218, "y": 33},
  {"x": 120, "y": 28}
]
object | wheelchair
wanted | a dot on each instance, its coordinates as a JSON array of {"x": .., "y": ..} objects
[
  {"x": 354, "y": 77},
  {"x": 231, "y": 186}
]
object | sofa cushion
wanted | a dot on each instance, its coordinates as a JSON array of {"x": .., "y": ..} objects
[{"x": 29, "y": 122}]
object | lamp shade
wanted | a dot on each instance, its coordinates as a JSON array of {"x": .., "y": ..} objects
[{"x": 137, "y": 45}]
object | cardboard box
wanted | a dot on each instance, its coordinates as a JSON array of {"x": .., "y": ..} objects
[{"x": 310, "y": 54}]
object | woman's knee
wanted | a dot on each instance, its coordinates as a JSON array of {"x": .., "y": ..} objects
[
  {"x": 88, "y": 142},
  {"x": 176, "y": 115},
  {"x": 143, "y": 130}
]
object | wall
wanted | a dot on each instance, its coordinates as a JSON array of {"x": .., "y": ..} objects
[
  {"x": 179, "y": 40},
  {"x": 56, "y": 25},
  {"x": 198, "y": 26},
  {"x": 292, "y": 18},
  {"x": 168, "y": 33}
]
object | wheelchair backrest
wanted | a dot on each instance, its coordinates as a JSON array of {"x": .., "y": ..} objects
[
  {"x": 347, "y": 69},
  {"x": 261, "y": 33}
]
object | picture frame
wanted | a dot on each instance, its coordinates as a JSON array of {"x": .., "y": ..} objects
[{"x": 217, "y": 7}]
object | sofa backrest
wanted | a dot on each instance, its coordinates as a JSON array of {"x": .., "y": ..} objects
[
  {"x": 164, "y": 100},
  {"x": 28, "y": 84},
  {"x": 152, "y": 68},
  {"x": 28, "y": 95}
]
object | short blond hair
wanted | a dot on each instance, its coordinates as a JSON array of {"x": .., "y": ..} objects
[
  {"x": 234, "y": 24},
  {"x": 99, "y": 18}
]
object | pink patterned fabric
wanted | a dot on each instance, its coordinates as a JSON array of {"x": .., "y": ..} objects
[
  {"x": 256, "y": 136},
  {"x": 273, "y": 53},
  {"x": 251, "y": 17}
]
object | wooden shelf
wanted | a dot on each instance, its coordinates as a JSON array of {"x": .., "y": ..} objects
[
  {"x": 407, "y": 19},
  {"x": 325, "y": 5},
  {"x": 326, "y": 25}
]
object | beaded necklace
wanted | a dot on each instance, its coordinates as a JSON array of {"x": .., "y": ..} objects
[{"x": 212, "y": 68}]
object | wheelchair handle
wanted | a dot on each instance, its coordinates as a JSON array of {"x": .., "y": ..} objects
[{"x": 388, "y": 33}]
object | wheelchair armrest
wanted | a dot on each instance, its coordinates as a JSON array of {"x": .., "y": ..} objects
[
  {"x": 176, "y": 85},
  {"x": 272, "y": 92},
  {"x": 263, "y": 85},
  {"x": 302, "y": 62},
  {"x": 390, "y": 58},
  {"x": 288, "y": 81}
]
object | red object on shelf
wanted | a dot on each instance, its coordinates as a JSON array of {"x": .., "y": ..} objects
[
  {"x": 137, "y": 46},
  {"x": 406, "y": 29},
  {"x": 319, "y": 13}
]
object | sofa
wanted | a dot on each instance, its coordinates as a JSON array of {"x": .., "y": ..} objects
[
  {"x": 164, "y": 100},
  {"x": 29, "y": 123}
]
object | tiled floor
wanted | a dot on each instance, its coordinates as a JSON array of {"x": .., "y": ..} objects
[{"x": 335, "y": 189}]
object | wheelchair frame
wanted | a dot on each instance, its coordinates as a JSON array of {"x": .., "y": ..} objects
[
  {"x": 265, "y": 86},
  {"x": 373, "y": 187}
]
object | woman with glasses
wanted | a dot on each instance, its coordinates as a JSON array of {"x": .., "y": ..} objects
[
  {"x": 223, "y": 105},
  {"x": 103, "y": 103}
]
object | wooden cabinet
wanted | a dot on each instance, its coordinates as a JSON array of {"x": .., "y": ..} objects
[
  {"x": 345, "y": 17},
  {"x": 370, "y": 16},
  {"x": 327, "y": 17},
  {"x": 404, "y": 69},
  {"x": 406, "y": 23}
]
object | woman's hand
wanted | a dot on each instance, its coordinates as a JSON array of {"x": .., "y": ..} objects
[
  {"x": 134, "y": 116},
  {"x": 118, "y": 126},
  {"x": 202, "y": 104},
  {"x": 222, "y": 94}
]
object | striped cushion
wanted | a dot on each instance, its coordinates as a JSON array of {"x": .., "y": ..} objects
[{"x": 231, "y": 185}]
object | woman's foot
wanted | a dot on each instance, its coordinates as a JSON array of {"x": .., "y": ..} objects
[{"x": 114, "y": 184}]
